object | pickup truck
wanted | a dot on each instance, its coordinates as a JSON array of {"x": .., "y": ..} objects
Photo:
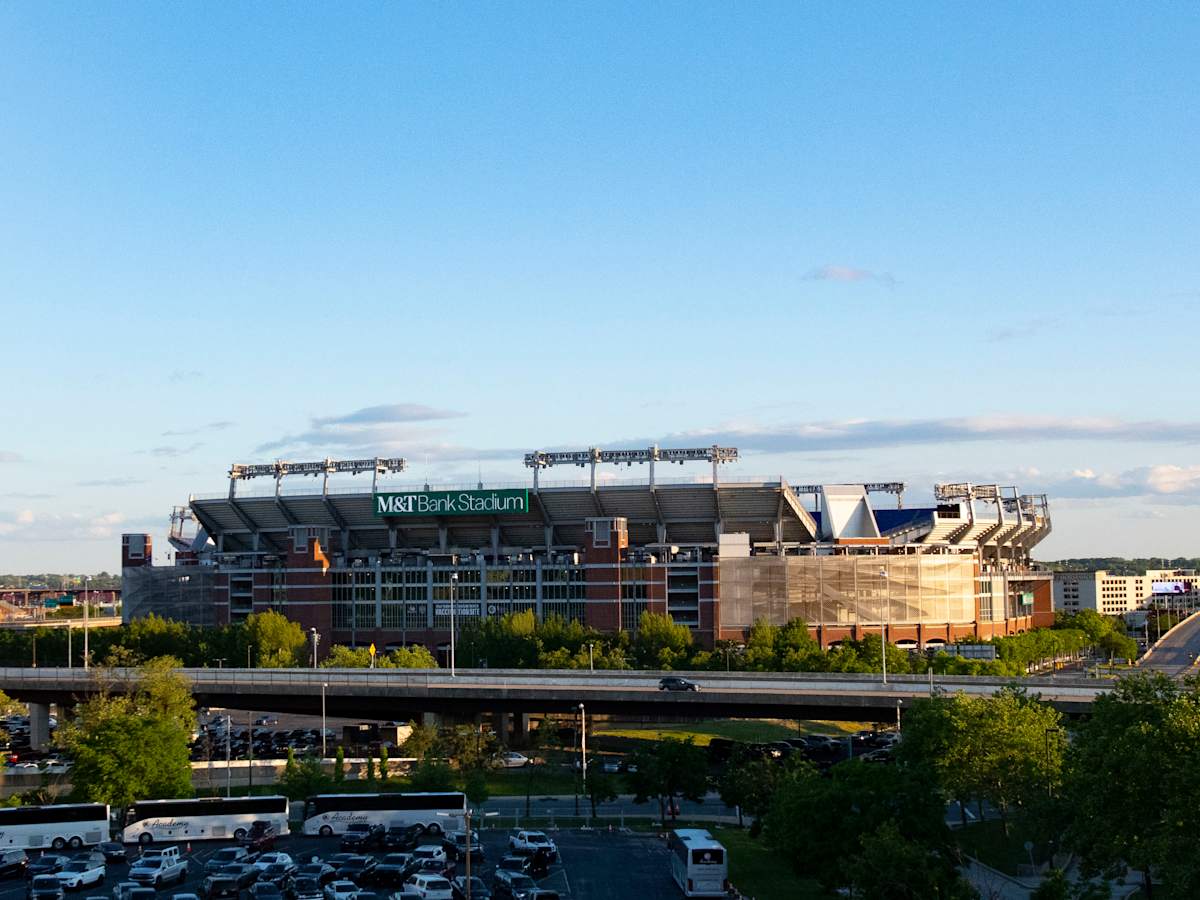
[{"x": 159, "y": 867}]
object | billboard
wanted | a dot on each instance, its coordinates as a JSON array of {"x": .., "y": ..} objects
[
  {"x": 1168, "y": 587},
  {"x": 507, "y": 501}
]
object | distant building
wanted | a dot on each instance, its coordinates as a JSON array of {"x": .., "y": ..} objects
[{"x": 1116, "y": 595}]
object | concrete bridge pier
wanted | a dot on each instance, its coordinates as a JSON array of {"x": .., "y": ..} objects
[
  {"x": 504, "y": 724},
  {"x": 39, "y": 725},
  {"x": 431, "y": 720}
]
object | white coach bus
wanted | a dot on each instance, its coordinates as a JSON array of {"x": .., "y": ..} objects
[
  {"x": 57, "y": 826},
  {"x": 210, "y": 818},
  {"x": 327, "y": 814},
  {"x": 698, "y": 863}
]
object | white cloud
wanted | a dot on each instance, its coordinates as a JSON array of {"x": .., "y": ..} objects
[
  {"x": 26, "y": 525},
  {"x": 849, "y": 274}
]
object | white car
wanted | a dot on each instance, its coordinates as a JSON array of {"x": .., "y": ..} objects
[
  {"x": 341, "y": 890},
  {"x": 533, "y": 840},
  {"x": 80, "y": 873},
  {"x": 430, "y": 887},
  {"x": 513, "y": 760},
  {"x": 430, "y": 851},
  {"x": 269, "y": 859}
]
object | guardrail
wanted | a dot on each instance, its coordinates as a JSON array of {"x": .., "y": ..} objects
[{"x": 488, "y": 681}]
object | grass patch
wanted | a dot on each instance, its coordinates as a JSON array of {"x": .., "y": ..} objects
[
  {"x": 731, "y": 729},
  {"x": 987, "y": 842},
  {"x": 760, "y": 872},
  {"x": 544, "y": 780}
]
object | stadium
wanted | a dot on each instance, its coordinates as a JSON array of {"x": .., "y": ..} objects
[{"x": 390, "y": 564}]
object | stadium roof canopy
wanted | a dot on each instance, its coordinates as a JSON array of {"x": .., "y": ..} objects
[{"x": 687, "y": 513}]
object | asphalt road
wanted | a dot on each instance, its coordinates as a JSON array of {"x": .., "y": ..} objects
[
  {"x": 1176, "y": 654},
  {"x": 593, "y": 865}
]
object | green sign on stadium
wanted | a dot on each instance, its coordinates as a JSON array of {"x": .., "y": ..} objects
[{"x": 452, "y": 503}]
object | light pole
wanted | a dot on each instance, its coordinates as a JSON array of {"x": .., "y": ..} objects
[
  {"x": 316, "y": 638},
  {"x": 453, "y": 584},
  {"x": 86, "y": 584},
  {"x": 591, "y": 659},
  {"x": 467, "y": 825},
  {"x": 71, "y": 665},
  {"x": 887, "y": 615},
  {"x": 583, "y": 744},
  {"x": 228, "y": 756},
  {"x": 323, "y": 686}
]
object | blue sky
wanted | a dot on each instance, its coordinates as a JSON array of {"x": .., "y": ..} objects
[{"x": 855, "y": 240}]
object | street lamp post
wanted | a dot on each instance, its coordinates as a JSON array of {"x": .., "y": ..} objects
[
  {"x": 316, "y": 638},
  {"x": 591, "y": 660},
  {"x": 228, "y": 756},
  {"x": 86, "y": 584},
  {"x": 453, "y": 622},
  {"x": 467, "y": 825},
  {"x": 323, "y": 686},
  {"x": 583, "y": 744},
  {"x": 887, "y": 615}
]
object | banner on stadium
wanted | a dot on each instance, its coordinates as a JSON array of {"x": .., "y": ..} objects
[
  {"x": 1168, "y": 587},
  {"x": 506, "y": 501}
]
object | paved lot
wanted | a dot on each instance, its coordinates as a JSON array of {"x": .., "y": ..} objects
[{"x": 599, "y": 865}]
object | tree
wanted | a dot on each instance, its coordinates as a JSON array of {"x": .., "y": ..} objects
[
  {"x": 304, "y": 777},
  {"x": 130, "y": 741},
  {"x": 339, "y": 765},
  {"x": 370, "y": 770},
  {"x": 750, "y": 784},
  {"x": 672, "y": 768},
  {"x": 383, "y": 765},
  {"x": 420, "y": 741},
  {"x": 278, "y": 642},
  {"x": 601, "y": 788},
  {"x": 431, "y": 775},
  {"x": 475, "y": 786},
  {"x": 660, "y": 643},
  {"x": 819, "y": 823},
  {"x": 889, "y": 866},
  {"x": 1136, "y": 761}
]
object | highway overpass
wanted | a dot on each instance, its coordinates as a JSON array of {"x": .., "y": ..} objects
[
  {"x": 1177, "y": 652},
  {"x": 406, "y": 693}
]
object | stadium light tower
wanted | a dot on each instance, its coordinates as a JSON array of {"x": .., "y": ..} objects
[{"x": 593, "y": 456}]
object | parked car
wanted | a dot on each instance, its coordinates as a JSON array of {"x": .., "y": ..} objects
[
  {"x": 278, "y": 874},
  {"x": 455, "y": 844},
  {"x": 306, "y": 888},
  {"x": 80, "y": 873},
  {"x": 479, "y": 890},
  {"x": 392, "y": 870},
  {"x": 362, "y": 835},
  {"x": 220, "y": 887},
  {"x": 533, "y": 840},
  {"x": 322, "y": 872},
  {"x": 513, "y": 864},
  {"x": 113, "y": 851},
  {"x": 340, "y": 890},
  {"x": 260, "y": 837},
  {"x": 358, "y": 869},
  {"x": 159, "y": 867},
  {"x": 224, "y": 857},
  {"x": 430, "y": 887},
  {"x": 243, "y": 873},
  {"x": 430, "y": 851},
  {"x": 509, "y": 885},
  {"x": 675, "y": 683},
  {"x": 46, "y": 864},
  {"x": 45, "y": 887},
  {"x": 264, "y": 890},
  {"x": 265, "y": 860},
  {"x": 511, "y": 759},
  {"x": 403, "y": 837},
  {"x": 13, "y": 863},
  {"x": 125, "y": 889}
]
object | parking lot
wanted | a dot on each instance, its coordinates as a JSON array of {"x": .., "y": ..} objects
[{"x": 592, "y": 865}]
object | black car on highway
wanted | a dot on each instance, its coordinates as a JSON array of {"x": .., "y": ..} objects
[{"x": 674, "y": 683}]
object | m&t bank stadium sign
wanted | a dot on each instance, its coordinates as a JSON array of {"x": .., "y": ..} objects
[{"x": 453, "y": 503}]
